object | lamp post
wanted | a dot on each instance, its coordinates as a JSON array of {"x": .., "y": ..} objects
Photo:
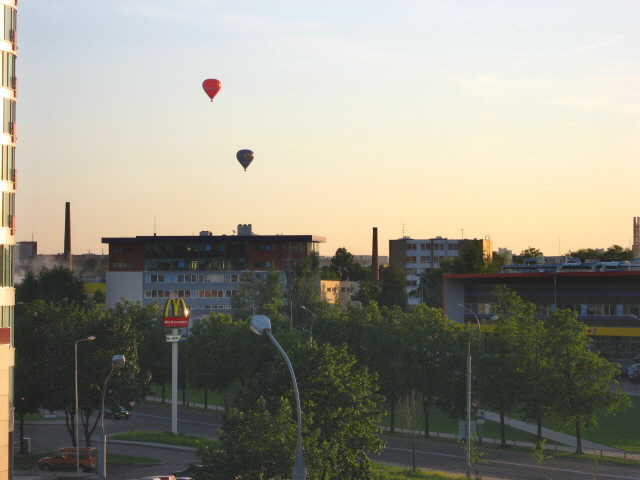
[
  {"x": 311, "y": 325},
  {"x": 469, "y": 390},
  {"x": 261, "y": 324},
  {"x": 117, "y": 361},
  {"x": 75, "y": 350}
]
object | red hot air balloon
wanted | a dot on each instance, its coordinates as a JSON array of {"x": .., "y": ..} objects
[
  {"x": 245, "y": 157},
  {"x": 211, "y": 87}
]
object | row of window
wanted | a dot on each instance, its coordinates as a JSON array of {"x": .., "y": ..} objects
[
  {"x": 211, "y": 307},
  {"x": 6, "y": 316},
  {"x": 6, "y": 277},
  {"x": 435, "y": 246},
  {"x": 8, "y": 163},
  {"x": 584, "y": 309},
  {"x": 426, "y": 259},
  {"x": 122, "y": 265},
  {"x": 186, "y": 249},
  {"x": 266, "y": 248},
  {"x": 189, "y": 293},
  {"x": 8, "y": 116},
  {"x": 9, "y": 23},
  {"x": 198, "y": 278},
  {"x": 9, "y": 70},
  {"x": 420, "y": 271},
  {"x": 195, "y": 265}
]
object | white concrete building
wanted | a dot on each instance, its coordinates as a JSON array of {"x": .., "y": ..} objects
[{"x": 417, "y": 256}]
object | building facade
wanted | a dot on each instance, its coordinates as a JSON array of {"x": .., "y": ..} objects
[
  {"x": 205, "y": 270},
  {"x": 608, "y": 302},
  {"x": 418, "y": 256},
  {"x": 8, "y": 48}
]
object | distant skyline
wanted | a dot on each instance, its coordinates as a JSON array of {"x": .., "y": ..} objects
[{"x": 514, "y": 121}]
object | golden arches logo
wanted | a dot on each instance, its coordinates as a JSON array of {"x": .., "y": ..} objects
[{"x": 176, "y": 313}]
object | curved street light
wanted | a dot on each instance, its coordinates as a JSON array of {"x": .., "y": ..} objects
[
  {"x": 88, "y": 339},
  {"x": 261, "y": 325},
  {"x": 469, "y": 389},
  {"x": 311, "y": 325},
  {"x": 117, "y": 361}
]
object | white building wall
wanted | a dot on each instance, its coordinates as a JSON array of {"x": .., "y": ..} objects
[{"x": 124, "y": 286}]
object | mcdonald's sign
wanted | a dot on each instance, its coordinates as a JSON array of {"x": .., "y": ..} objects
[{"x": 176, "y": 314}]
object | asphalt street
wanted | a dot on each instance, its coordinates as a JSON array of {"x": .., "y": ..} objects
[{"x": 440, "y": 455}]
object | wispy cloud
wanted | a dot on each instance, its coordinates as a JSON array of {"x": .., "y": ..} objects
[{"x": 607, "y": 42}]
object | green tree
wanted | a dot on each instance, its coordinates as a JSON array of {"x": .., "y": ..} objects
[
  {"x": 29, "y": 376},
  {"x": 410, "y": 406},
  {"x": 256, "y": 443},
  {"x": 613, "y": 253},
  {"x": 343, "y": 264},
  {"x": 99, "y": 297},
  {"x": 59, "y": 325},
  {"x": 393, "y": 291},
  {"x": 369, "y": 292},
  {"x": 585, "y": 254},
  {"x": 340, "y": 403},
  {"x": 222, "y": 353},
  {"x": 529, "y": 252},
  {"x": 426, "y": 342},
  {"x": 581, "y": 377},
  {"x": 502, "y": 355},
  {"x": 57, "y": 284},
  {"x": 430, "y": 289},
  {"x": 616, "y": 252},
  {"x": 303, "y": 289},
  {"x": 259, "y": 294}
]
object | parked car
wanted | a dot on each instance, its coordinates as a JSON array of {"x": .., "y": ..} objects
[
  {"x": 117, "y": 413},
  {"x": 633, "y": 373},
  {"x": 623, "y": 372},
  {"x": 187, "y": 472},
  {"x": 65, "y": 458}
]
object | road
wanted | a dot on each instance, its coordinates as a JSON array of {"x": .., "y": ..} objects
[{"x": 436, "y": 455}]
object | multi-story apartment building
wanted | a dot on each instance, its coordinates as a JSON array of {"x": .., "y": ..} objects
[
  {"x": 205, "y": 270},
  {"x": 418, "y": 256},
  {"x": 8, "y": 47}
]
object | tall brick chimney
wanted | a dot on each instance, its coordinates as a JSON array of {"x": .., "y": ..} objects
[
  {"x": 375, "y": 271},
  {"x": 67, "y": 235}
]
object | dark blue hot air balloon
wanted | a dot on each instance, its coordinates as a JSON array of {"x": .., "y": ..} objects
[{"x": 245, "y": 157}]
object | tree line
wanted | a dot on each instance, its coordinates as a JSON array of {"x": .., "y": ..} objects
[{"x": 352, "y": 367}]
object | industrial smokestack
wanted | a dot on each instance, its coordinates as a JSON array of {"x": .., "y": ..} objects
[
  {"x": 67, "y": 235},
  {"x": 636, "y": 237},
  {"x": 374, "y": 256}
]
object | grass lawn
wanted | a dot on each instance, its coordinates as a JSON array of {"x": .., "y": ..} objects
[
  {"x": 387, "y": 472},
  {"x": 167, "y": 438}
]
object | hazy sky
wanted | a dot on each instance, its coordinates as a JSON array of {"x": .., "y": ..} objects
[{"x": 513, "y": 120}]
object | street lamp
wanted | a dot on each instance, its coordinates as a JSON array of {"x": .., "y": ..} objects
[
  {"x": 117, "y": 361},
  {"x": 260, "y": 324},
  {"x": 88, "y": 339},
  {"x": 310, "y": 326},
  {"x": 469, "y": 390}
]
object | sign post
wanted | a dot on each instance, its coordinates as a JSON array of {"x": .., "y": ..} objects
[{"x": 176, "y": 315}]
